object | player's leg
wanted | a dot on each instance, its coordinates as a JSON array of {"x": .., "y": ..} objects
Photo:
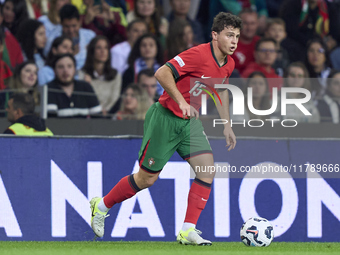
[
  {"x": 157, "y": 147},
  {"x": 197, "y": 151},
  {"x": 127, "y": 187}
]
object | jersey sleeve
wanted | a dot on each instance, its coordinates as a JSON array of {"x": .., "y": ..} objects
[{"x": 185, "y": 62}]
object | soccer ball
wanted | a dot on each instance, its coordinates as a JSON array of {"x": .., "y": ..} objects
[{"x": 257, "y": 232}]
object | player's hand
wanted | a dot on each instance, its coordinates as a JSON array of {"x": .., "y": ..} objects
[
  {"x": 230, "y": 137},
  {"x": 188, "y": 111}
]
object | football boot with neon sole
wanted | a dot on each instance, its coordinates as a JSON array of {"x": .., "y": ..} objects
[
  {"x": 97, "y": 217},
  {"x": 192, "y": 237}
]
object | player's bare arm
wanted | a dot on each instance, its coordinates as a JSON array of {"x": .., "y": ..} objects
[
  {"x": 165, "y": 77},
  {"x": 223, "y": 111}
]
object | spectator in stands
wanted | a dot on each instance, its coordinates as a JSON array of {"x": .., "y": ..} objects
[
  {"x": 36, "y": 8},
  {"x": 265, "y": 57},
  {"x": 51, "y": 21},
  {"x": 11, "y": 53},
  {"x": 105, "y": 80},
  {"x": 273, "y": 7},
  {"x": 329, "y": 105},
  {"x": 335, "y": 58},
  {"x": 307, "y": 18},
  {"x": 134, "y": 105},
  {"x": 148, "y": 82},
  {"x": 244, "y": 54},
  {"x": 20, "y": 112},
  {"x": 236, "y": 7},
  {"x": 61, "y": 45},
  {"x": 32, "y": 38},
  {"x": 180, "y": 10},
  {"x": 318, "y": 64},
  {"x": 297, "y": 76},
  {"x": 120, "y": 52},
  {"x": 64, "y": 99},
  {"x": 146, "y": 53},
  {"x": 103, "y": 21},
  {"x": 70, "y": 21},
  {"x": 25, "y": 80},
  {"x": 276, "y": 29},
  {"x": 261, "y": 98},
  {"x": 180, "y": 38},
  {"x": 14, "y": 14},
  {"x": 150, "y": 12},
  {"x": 5, "y": 71}
]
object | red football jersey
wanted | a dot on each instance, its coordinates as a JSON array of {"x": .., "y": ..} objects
[{"x": 197, "y": 64}]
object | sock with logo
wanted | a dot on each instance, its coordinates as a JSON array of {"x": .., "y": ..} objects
[
  {"x": 123, "y": 190},
  {"x": 198, "y": 197}
]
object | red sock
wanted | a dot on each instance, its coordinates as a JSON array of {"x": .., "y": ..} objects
[
  {"x": 123, "y": 190},
  {"x": 198, "y": 197}
]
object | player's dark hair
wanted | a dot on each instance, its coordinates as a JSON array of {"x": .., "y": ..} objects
[
  {"x": 23, "y": 101},
  {"x": 263, "y": 40},
  {"x": 68, "y": 11},
  {"x": 132, "y": 23},
  {"x": 223, "y": 20},
  {"x": 148, "y": 72}
]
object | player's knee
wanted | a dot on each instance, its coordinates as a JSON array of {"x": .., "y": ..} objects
[{"x": 145, "y": 180}]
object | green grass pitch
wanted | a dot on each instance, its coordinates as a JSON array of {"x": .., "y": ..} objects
[{"x": 164, "y": 248}]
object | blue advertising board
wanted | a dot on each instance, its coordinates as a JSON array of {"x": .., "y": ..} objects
[{"x": 46, "y": 183}]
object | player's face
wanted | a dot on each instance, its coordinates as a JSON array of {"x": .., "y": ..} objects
[
  {"x": 28, "y": 75},
  {"x": 148, "y": 48},
  {"x": 266, "y": 54},
  {"x": 137, "y": 30},
  {"x": 316, "y": 55},
  {"x": 65, "y": 70},
  {"x": 149, "y": 84},
  {"x": 40, "y": 37},
  {"x": 334, "y": 87},
  {"x": 296, "y": 77},
  {"x": 227, "y": 40},
  {"x": 101, "y": 51},
  {"x": 258, "y": 84},
  {"x": 130, "y": 101},
  {"x": 250, "y": 25},
  {"x": 277, "y": 32}
]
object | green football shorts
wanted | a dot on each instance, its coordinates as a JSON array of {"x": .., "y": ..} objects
[{"x": 165, "y": 133}]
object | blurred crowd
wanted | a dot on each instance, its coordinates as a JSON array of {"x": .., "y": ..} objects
[{"x": 98, "y": 57}]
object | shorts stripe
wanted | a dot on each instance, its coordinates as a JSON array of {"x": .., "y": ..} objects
[
  {"x": 186, "y": 157},
  {"x": 141, "y": 159}
]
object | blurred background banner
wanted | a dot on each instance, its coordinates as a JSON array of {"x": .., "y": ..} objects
[{"x": 45, "y": 186}]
